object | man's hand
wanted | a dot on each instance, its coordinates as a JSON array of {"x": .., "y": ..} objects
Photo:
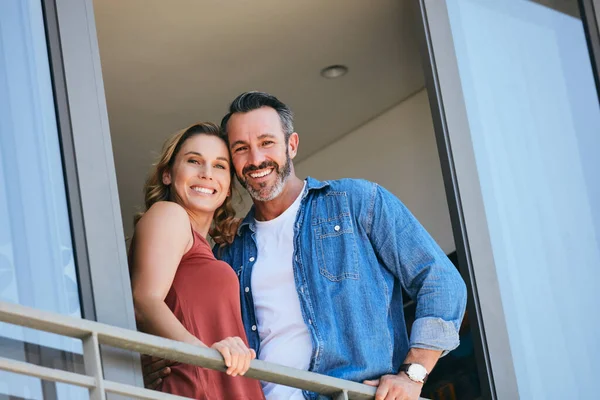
[
  {"x": 154, "y": 370},
  {"x": 396, "y": 387}
]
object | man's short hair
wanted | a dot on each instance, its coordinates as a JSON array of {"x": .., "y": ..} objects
[{"x": 254, "y": 100}]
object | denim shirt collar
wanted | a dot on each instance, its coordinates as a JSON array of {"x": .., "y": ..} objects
[{"x": 249, "y": 221}]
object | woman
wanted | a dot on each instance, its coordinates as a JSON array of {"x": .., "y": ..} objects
[{"x": 180, "y": 290}]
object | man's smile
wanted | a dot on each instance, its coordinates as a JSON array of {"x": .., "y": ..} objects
[{"x": 261, "y": 173}]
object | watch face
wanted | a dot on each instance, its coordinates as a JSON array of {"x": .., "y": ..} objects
[{"x": 416, "y": 372}]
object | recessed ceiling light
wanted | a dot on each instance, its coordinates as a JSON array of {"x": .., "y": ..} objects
[{"x": 334, "y": 71}]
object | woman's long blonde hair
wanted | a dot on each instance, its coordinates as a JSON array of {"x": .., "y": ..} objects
[{"x": 155, "y": 190}]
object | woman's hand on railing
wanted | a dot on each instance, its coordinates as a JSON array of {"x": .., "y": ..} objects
[{"x": 236, "y": 354}]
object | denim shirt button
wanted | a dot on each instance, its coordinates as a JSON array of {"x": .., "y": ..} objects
[
  {"x": 247, "y": 289},
  {"x": 253, "y": 327},
  {"x": 251, "y": 259},
  {"x": 336, "y": 228},
  {"x": 310, "y": 321}
]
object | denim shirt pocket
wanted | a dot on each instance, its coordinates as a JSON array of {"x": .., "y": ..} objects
[{"x": 335, "y": 238}]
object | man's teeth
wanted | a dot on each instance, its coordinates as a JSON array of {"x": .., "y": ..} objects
[
  {"x": 202, "y": 190},
  {"x": 261, "y": 174}
]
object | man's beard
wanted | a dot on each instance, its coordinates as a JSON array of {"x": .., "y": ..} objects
[{"x": 264, "y": 192}]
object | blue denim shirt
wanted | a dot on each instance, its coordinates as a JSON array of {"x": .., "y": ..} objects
[{"x": 356, "y": 246}]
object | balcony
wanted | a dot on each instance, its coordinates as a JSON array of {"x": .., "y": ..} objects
[{"x": 93, "y": 334}]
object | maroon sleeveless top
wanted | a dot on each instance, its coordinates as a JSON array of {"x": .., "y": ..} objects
[{"x": 205, "y": 297}]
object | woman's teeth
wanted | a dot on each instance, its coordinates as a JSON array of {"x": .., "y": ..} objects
[{"x": 202, "y": 190}]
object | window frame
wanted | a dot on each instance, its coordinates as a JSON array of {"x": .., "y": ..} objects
[{"x": 90, "y": 177}]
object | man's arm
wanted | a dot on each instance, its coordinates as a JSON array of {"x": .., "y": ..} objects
[{"x": 429, "y": 278}]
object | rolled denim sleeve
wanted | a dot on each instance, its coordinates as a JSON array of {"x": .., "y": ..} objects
[{"x": 423, "y": 269}]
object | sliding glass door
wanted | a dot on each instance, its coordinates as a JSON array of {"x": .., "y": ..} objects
[
  {"x": 515, "y": 102},
  {"x": 62, "y": 247},
  {"x": 37, "y": 262}
]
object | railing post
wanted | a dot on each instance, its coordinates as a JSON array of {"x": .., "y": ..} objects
[
  {"x": 93, "y": 365},
  {"x": 343, "y": 395}
]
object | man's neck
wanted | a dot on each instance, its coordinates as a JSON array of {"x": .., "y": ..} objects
[{"x": 268, "y": 210}]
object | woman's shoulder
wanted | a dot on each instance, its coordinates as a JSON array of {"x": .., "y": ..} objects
[
  {"x": 167, "y": 207},
  {"x": 166, "y": 215}
]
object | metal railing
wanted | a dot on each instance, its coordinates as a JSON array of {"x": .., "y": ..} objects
[{"x": 93, "y": 334}]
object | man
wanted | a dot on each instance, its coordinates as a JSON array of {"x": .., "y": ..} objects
[{"x": 322, "y": 266}]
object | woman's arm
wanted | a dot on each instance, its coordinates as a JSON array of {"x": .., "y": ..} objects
[{"x": 162, "y": 237}]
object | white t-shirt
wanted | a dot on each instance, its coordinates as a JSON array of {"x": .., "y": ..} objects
[{"x": 284, "y": 337}]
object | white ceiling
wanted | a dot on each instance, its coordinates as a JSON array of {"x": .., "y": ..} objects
[{"x": 167, "y": 64}]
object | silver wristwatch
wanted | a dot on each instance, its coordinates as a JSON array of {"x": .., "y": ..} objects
[{"x": 415, "y": 372}]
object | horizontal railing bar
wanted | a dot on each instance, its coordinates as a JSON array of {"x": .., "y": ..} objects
[
  {"x": 49, "y": 374},
  {"x": 139, "y": 393},
  {"x": 43, "y": 320},
  {"x": 85, "y": 381},
  {"x": 176, "y": 351}
]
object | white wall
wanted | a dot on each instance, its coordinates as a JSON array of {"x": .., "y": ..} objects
[{"x": 398, "y": 151}]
